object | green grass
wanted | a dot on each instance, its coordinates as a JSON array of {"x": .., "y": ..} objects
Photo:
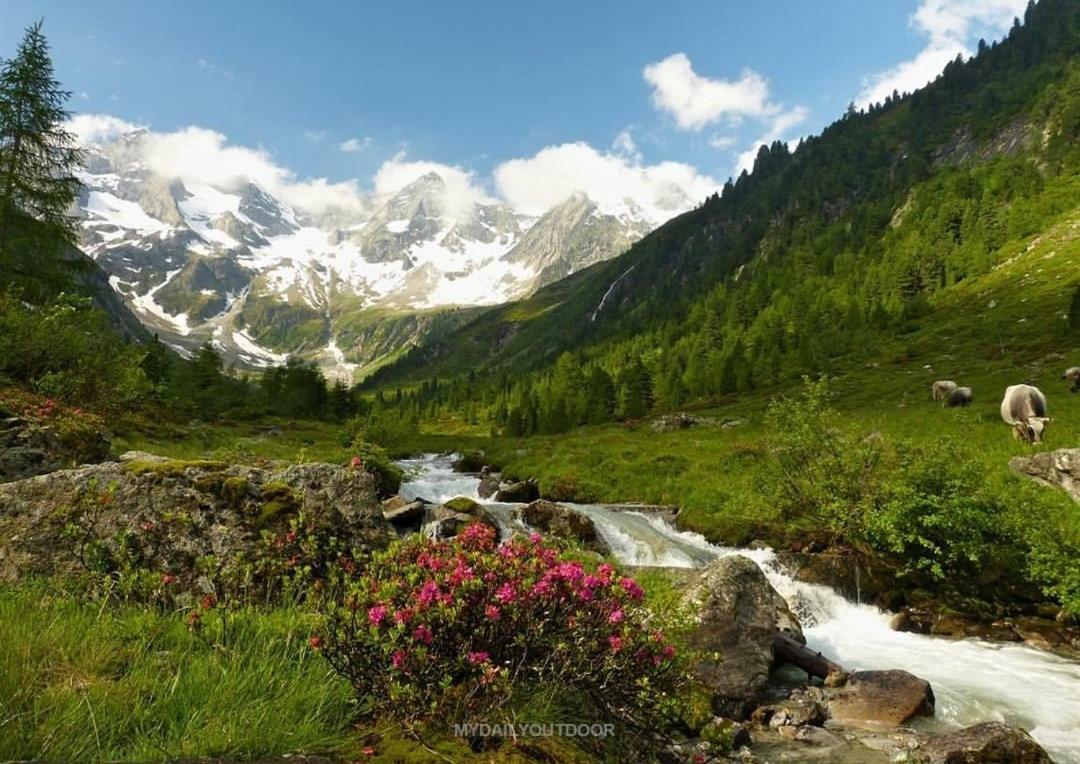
[
  {"x": 83, "y": 681},
  {"x": 296, "y": 440}
]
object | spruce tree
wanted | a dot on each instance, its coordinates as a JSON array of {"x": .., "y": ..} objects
[{"x": 38, "y": 155}]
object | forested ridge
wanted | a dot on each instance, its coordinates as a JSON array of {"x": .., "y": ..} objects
[{"x": 810, "y": 261}]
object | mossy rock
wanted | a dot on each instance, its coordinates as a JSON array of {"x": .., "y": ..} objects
[
  {"x": 275, "y": 500},
  {"x": 234, "y": 490},
  {"x": 464, "y": 505},
  {"x": 172, "y": 467}
]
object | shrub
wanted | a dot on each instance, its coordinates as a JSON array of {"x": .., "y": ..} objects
[
  {"x": 453, "y": 630},
  {"x": 817, "y": 468},
  {"x": 375, "y": 460},
  {"x": 935, "y": 514}
]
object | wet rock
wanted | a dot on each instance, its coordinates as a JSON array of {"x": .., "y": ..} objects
[
  {"x": 737, "y": 618},
  {"x": 404, "y": 514},
  {"x": 448, "y": 520},
  {"x": 986, "y": 743},
  {"x": 562, "y": 522},
  {"x": 880, "y": 698},
  {"x": 796, "y": 711},
  {"x": 489, "y": 486},
  {"x": 1060, "y": 469},
  {"x": 810, "y": 735},
  {"x": 517, "y": 492},
  {"x": 858, "y": 578}
]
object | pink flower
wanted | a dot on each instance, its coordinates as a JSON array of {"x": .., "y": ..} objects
[
  {"x": 168, "y": 578},
  {"x": 315, "y": 642},
  {"x": 542, "y": 588},
  {"x": 422, "y": 634},
  {"x": 668, "y": 652},
  {"x": 492, "y": 612},
  {"x": 429, "y": 593},
  {"x": 377, "y": 614},
  {"x": 357, "y": 463},
  {"x": 402, "y": 616},
  {"x": 630, "y": 586},
  {"x": 616, "y": 616},
  {"x": 604, "y": 571},
  {"x": 478, "y": 657},
  {"x": 535, "y": 537},
  {"x": 506, "y": 593},
  {"x": 615, "y": 642},
  {"x": 397, "y": 659}
]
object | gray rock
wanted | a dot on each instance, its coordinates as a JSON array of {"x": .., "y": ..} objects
[
  {"x": 880, "y": 699},
  {"x": 986, "y": 743},
  {"x": 738, "y": 614},
  {"x": 489, "y": 486},
  {"x": 196, "y": 508},
  {"x": 1060, "y": 469},
  {"x": 562, "y": 522},
  {"x": 518, "y": 492}
]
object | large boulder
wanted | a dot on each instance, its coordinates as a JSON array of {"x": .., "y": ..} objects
[
  {"x": 489, "y": 486},
  {"x": 738, "y": 615},
  {"x": 175, "y": 512},
  {"x": 1060, "y": 469},
  {"x": 562, "y": 522},
  {"x": 880, "y": 699},
  {"x": 517, "y": 492},
  {"x": 986, "y": 743}
]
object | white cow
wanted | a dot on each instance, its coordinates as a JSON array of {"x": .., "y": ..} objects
[
  {"x": 1024, "y": 407},
  {"x": 942, "y": 389}
]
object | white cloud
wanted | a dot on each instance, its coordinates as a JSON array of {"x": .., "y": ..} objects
[
  {"x": 779, "y": 125},
  {"x": 315, "y": 136},
  {"x": 199, "y": 155},
  {"x": 722, "y": 142},
  {"x": 535, "y": 184},
  {"x": 949, "y": 26},
  {"x": 462, "y": 189},
  {"x": 695, "y": 101},
  {"x": 532, "y": 185},
  {"x": 97, "y": 128},
  {"x": 356, "y": 145}
]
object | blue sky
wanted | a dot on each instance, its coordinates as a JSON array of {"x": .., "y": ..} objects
[{"x": 476, "y": 84}]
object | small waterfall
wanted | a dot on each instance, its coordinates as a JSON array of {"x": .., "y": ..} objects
[{"x": 973, "y": 680}]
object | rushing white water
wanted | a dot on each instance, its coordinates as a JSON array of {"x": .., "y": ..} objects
[{"x": 973, "y": 680}]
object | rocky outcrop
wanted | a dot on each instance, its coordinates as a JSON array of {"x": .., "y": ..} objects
[
  {"x": 738, "y": 615},
  {"x": 28, "y": 448},
  {"x": 880, "y": 698},
  {"x": 675, "y": 422},
  {"x": 517, "y": 492},
  {"x": 562, "y": 522},
  {"x": 1060, "y": 469},
  {"x": 174, "y": 513},
  {"x": 986, "y": 743},
  {"x": 405, "y": 515}
]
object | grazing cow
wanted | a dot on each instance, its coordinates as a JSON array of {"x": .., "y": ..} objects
[
  {"x": 1073, "y": 376},
  {"x": 942, "y": 389},
  {"x": 959, "y": 397},
  {"x": 1024, "y": 407}
]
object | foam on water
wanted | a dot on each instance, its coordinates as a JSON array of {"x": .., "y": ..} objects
[{"x": 973, "y": 680}]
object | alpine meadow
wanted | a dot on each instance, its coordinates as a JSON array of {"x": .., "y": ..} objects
[{"x": 406, "y": 384}]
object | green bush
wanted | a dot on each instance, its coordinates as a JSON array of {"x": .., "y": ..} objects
[
  {"x": 375, "y": 460},
  {"x": 817, "y": 469},
  {"x": 935, "y": 513},
  {"x": 65, "y": 350}
]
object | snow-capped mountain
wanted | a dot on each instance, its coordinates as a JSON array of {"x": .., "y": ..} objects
[{"x": 236, "y": 266}]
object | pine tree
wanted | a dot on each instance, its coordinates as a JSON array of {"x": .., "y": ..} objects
[{"x": 37, "y": 154}]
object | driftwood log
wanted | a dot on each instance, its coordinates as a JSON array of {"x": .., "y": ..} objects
[{"x": 787, "y": 650}]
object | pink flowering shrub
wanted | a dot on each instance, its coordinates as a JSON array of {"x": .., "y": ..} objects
[{"x": 451, "y": 630}]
